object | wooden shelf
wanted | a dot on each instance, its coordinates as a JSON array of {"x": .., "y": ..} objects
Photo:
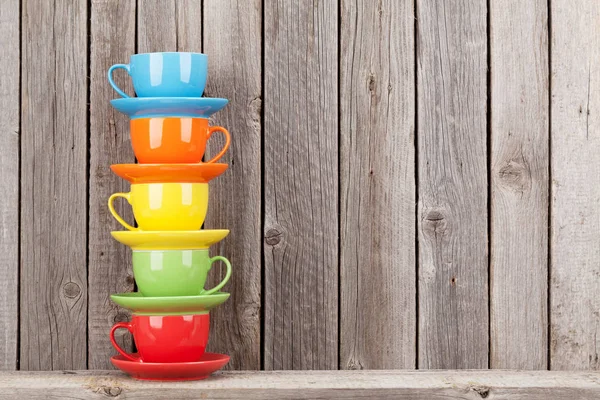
[{"x": 465, "y": 384}]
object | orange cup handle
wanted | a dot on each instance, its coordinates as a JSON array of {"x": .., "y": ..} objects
[{"x": 212, "y": 130}]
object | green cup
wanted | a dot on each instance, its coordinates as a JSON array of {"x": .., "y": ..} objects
[{"x": 163, "y": 273}]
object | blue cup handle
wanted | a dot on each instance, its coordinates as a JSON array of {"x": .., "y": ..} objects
[{"x": 110, "y": 79}]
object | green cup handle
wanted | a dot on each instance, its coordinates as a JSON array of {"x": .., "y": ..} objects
[{"x": 227, "y": 275}]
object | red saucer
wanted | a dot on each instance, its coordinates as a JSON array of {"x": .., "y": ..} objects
[{"x": 185, "y": 371}]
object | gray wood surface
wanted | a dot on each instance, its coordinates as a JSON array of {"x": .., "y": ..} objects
[
  {"x": 188, "y": 27},
  {"x": 330, "y": 252},
  {"x": 157, "y": 25},
  {"x": 408, "y": 385},
  {"x": 53, "y": 298},
  {"x": 235, "y": 197},
  {"x": 575, "y": 270},
  {"x": 301, "y": 185},
  {"x": 452, "y": 182},
  {"x": 169, "y": 25},
  {"x": 519, "y": 185},
  {"x": 377, "y": 178},
  {"x": 9, "y": 176},
  {"x": 109, "y": 271}
]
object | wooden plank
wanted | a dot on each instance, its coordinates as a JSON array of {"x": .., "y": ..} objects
[
  {"x": 112, "y": 41},
  {"x": 188, "y": 27},
  {"x": 301, "y": 185},
  {"x": 9, "y": 176},
  {"x": 575, "y": 253},
  {"x": 452, "y": 184},
  {"x": 169, "y": 25},
  {"x": 234, "y": 52},
  {"x": 157, "y": 26},
  {"x": 53, "y": 298},
  {"x": 377, "y": 261},
  {"x": 413, "y": 385},
  {"x": 519, "y": 184}
]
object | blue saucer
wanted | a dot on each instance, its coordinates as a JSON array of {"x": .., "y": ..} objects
[{"x": 146, "y": 107}]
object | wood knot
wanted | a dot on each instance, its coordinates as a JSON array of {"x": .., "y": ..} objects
[
  {"x": 273, "y": 237},
  {"x": 255, "y": 106},
  {"x": 129, "y": 279},
  {"x": 435, "y": 223},
  {"x": 482, "y": 391},
  {"x": 71, "y": 290},
  {"x": 354, "y": 365},
  {"x": 121, "y": 317},
  {"x": 111, "y": 391},
  {"x": 515, "y": 176},
  {"x": 103, "y": 387},
  {"x": 434, "y": 216},
  {"x": 371, "y": 82}
]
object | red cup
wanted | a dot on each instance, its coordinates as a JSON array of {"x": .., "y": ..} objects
[{"x": 165, "y": 338}]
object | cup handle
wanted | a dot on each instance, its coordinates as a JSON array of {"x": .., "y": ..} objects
[
  {"x": 225, "y": 132},
  {"x": 114, "y": 213},
  {"x": 227, "y": 275},
  {"x": 112, "y": 83},
  {"x": 129, "y": 327}
]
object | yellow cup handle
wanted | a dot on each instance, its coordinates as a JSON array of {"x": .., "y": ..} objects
[
  {"x": 227, "y": 275},
  {"x": 126, "y": 196}
]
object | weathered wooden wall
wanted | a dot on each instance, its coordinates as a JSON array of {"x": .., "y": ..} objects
[{"x": 412, "y": 183}]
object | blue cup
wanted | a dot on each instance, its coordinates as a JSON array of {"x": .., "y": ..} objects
[{"x": 165, "y": 74}]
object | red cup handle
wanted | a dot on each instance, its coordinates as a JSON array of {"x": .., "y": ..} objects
[{"x": 129, "y": 327}]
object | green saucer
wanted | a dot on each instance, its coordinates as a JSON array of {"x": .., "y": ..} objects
[{"x": 174, "y": 305}]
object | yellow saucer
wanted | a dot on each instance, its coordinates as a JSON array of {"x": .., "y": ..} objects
[{"x": 170, "y": 240}]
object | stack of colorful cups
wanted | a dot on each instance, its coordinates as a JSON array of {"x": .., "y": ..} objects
[{"x": 169, "y": 197}]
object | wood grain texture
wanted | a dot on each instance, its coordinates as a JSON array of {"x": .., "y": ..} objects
[
  {"x": 169, "y": 25},
  {"x": 9, "y": 177},
  {"x": 112, "y": 41},
  {"x": 301, "y": 185},
  {"x": 157, "y": 26},
  {"x": 452, "y": 209},
  {"x": 575, "y": 254},
  {"x": 53, "y": 296},
  {"x": 519, "y": 184},
  {"x": 377, "y": 178},
  {"x": 406, "y": 385},
  {"x": 234, "y": 52}
]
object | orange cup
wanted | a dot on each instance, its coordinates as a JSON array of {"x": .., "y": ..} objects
[{"x": 173, "y": 140}]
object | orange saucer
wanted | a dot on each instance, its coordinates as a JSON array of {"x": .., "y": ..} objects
[{"x": 166, "y": 173}]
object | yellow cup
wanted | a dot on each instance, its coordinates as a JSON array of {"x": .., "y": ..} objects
[{"x": 165, "y": 206}]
